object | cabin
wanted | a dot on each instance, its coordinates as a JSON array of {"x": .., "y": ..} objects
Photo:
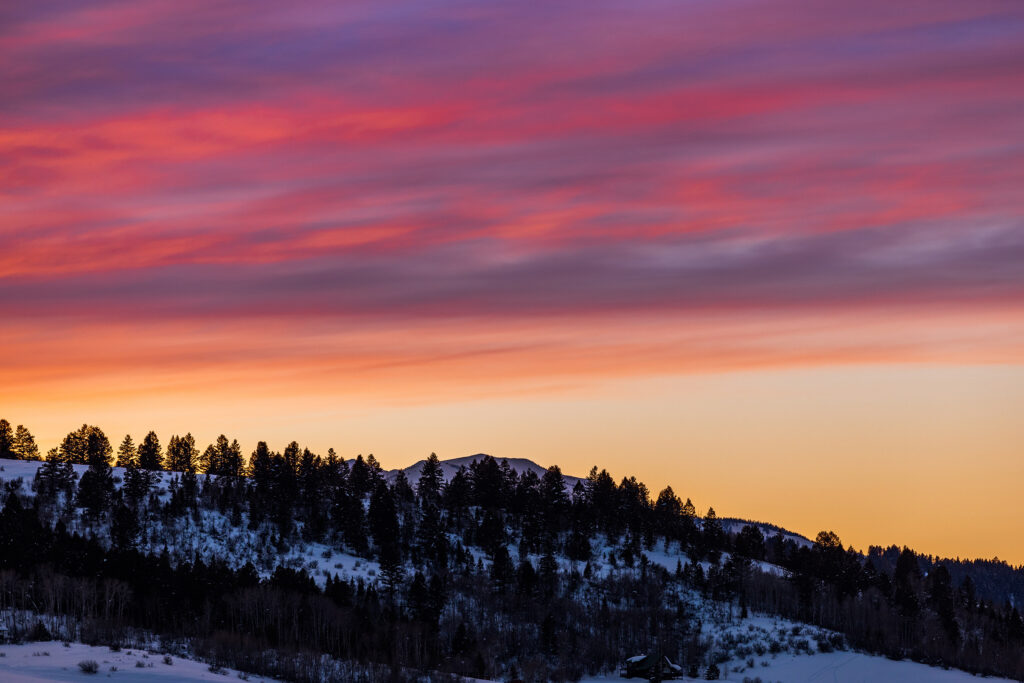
[{"x": 651, "y": 667}]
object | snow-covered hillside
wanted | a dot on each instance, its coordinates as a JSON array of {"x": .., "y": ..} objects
[
  {"x": 210, "y": 535},
  {"x": 744, "y": 646}
]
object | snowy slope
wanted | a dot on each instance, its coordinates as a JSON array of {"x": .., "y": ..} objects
[
  {"x": 52, "y": 661},
  {"x": 211, "y": 535}
]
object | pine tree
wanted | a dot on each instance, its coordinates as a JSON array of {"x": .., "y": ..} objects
[
  {"x": 150, "y": 455},
  {"x": 285, "y": 495},
  {"x": 182, "y": 454},
  {"x": 85, "y": 445},
  {"x": 713, "y": 536},
  {"x": 384, "y": 526},
  {"x": 231, "y": 457},
  {"x": 554, "y": 501},
  {"x": 136, "y": 483},
  {"x": 24, "y": 446},
  {"x": 6, "y": 441},
  {"x": 383, "y": 517},
  {"x": 96, "y": 488},
  {"x": 668, "y": 510},
  {"x": 750, "y": 542},
  {"x": 502, "y": 570},
  {"x": 291, "y": 455},
  {"x": 208, "y": 461},
  {"x": 375, "y": 471},
  {"x": 577, "y": 547},
  {"x": 349, "y": 510},
  {"x": 430, "y": 539},
  {"x": 126, "y": 452},
  {"x": 390, "y": 557},
  {"x": 548, "y": 573},
  {"x": 359, "y": 478},
  {"x": 906, "y": 578},
  {"x": 56, "y": 475},
  {"x": 429, "y": 486},
  {"x": 261, "y": 466},
  {"x": 124, "y": 527},
  {"x": 486, "y": 479}
]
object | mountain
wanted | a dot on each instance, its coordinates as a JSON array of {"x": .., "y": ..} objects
[{"x": 451, "y": 466}]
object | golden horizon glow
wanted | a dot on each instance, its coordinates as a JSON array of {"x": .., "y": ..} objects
[{"x": 807, "y": 449}]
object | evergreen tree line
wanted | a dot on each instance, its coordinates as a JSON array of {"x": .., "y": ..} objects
[{"x": 472, "y": 581}]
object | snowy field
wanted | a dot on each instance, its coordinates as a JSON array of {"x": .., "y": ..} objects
[
  {"x": 838, "y": 667},
  {"x": 51, "y": 661}
]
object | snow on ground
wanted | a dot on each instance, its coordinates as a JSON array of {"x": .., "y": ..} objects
[
  {"x": 52, "y": 661},
  {"x": 837, "y": 667}
]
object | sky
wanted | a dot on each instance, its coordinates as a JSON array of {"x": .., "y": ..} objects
[{"x": 772, "y": 257}]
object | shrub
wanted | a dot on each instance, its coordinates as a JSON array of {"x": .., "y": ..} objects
[
  {"x": 712, "y": 673},
  {"x": 89, "y": 666},
  {"x": 168, "y": 660},
  {"x": 139, "y": 664}
]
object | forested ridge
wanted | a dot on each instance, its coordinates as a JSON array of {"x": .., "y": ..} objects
[{"x": 493, "y": 573}]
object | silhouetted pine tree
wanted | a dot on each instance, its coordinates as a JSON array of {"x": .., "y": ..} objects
[
  {"x": 150, "y": 454},
  {"x": 429, "y": 485},
  {"x": 127, "y": 453},
  {"x": 6, "y": 441},
  {"x": 24, "y": 445},
  {"x": 96, "y": 487},
  {"x": 182, "y": 454},
  {"x": 54, "y": 476}
]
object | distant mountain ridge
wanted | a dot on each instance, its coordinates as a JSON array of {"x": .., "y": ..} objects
[
  {"x": 451, "y": 466},
  {"x": 520, "y": 465}
]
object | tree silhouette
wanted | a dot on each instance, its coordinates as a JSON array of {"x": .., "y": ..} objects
[
  {"x": 127, "y": 453},
  {"x": 6, "y": 441},
  {"x": 150, "y": 454},
  {"x": 24, "y": 445}
]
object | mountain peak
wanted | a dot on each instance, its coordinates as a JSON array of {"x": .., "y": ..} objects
[{"x": 450, "y": 466}]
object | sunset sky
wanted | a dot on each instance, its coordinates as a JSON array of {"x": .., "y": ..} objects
[{"x": 772, "y": 256}]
